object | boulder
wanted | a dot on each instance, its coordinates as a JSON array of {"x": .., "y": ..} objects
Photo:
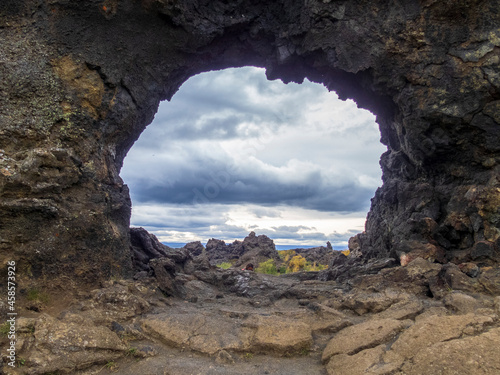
[
  {"x": 366, "y": 302},
  {"x": 70, "y": 345},
  {"x": 369, "y": 334},
  {"x": 114, "y": 302},
  {"x": 254, "y": 249},
  {"x": 195, "y": 248},
  {"x": 433, "y": 329},
  {"x": 205, "y": 334},
  {"x": 468, "y": 356},
  {"x": 370, "y": 362},
  {"x": 145, "y": 246},
  {"x": 212, "y": 334},
  {"x": 319, "y": 255},
  {"x": 461, "y": 303},
  {"x": 489, "y": 279},
  {"x": 279, "y": 335},
  {"x": 408, "y": 309}
]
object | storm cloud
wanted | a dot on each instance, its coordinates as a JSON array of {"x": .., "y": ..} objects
[{"x": 232, "y": 139}]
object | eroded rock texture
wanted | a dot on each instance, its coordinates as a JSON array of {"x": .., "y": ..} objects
[{"x": 82, "y": 79}]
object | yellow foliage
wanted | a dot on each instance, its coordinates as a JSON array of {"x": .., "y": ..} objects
[
  {"x": 315, "y": 267},
  {"x": 346, "y": 252},
  {"x": 296, "y": 264},
  {"x": 285, "y": 255}
]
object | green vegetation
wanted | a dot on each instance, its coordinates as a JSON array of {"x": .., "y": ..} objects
[
  {"x": 315, "y": 267},
  {"x": 296, "y": 264},
  {"x": 132, "y": 351},
  {"x": 224, "y": 265},
  {"x": 305, "y": 351},
  {"x": 292, "y": 262},
  {"x": 5, "y": 329},
  {"x": 285, "y": 255},
  {"x": 110, "y": 365},
  {"x": 248, "y": 356},
  {"x": 36, "y": 295},
  {"x": 268, "y": 267}
]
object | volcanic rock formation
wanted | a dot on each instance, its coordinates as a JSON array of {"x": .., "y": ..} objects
[
  {"x": 254, "y": 249},
  {"x": 82, "y": 79}
]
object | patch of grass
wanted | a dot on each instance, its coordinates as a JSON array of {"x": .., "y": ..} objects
[
  {"x": 268, "y": 267},
  {"x": 35, "y": 295},
  {"x": 315, "y": 267},
  {"x": 224, "y": 265},
  {"x": 111, "y": 366},
  {"x": 248, "y": 356},
  {"x": 134, "y": 352},
  {"x": 5, "y": 329},
  {"x": 305, "y": 351}
]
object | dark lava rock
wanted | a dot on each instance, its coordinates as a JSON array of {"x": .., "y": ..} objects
[
  {"x": 144, "y": 247},
  {"x": 195, "y": 248},
  {"x": 343, "y": 268},
  {"x": 81, "y": 80},
  {"x": 254, "y": 249},
  {"x": 318, "y": 255}
]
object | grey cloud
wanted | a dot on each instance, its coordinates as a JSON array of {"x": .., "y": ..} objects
[
  {"x": 266, "y": 212},
  {"x": 210, "y": 223},
  {"x": 212, "y": 186},
  {"x": 284, "y": 195},
  {"x": 213, "y": 111},
  {"x": 179, "y": 161},
  {"x": 192, "y": 177},
  {"x": 293, "y": 233},
  {"x": 335, "y": 236}
]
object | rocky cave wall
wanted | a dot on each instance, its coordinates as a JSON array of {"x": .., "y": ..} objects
[{"x": 82, "y": 79}]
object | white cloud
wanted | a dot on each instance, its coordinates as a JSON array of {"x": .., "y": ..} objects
[{"x": 285, "y": 225}]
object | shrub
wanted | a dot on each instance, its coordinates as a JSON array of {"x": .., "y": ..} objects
[
  {"x": 268, "y": 267},
  {"x": 224, "y": 265},
  {"x": 346, "y": 252},
  {"x": 296, "y": 264},
  {"x": 285, "y": 255},
  {"x": 315, "y": 267}
]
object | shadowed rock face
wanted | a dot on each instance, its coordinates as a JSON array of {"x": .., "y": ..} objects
[{"x": 81, "y": 80}]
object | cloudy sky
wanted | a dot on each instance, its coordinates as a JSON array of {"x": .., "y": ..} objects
[{"x": 233, "y": 152}]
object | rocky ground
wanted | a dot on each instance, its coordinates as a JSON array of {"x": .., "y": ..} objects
[{"x": 424, "y": 318}]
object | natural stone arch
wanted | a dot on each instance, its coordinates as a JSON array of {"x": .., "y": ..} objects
[{"x": 81, "y": 80}]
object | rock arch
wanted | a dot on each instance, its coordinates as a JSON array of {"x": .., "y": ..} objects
[{"x": 81, "y": 80}]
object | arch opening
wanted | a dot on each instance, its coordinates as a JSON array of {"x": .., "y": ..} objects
[{"x": 234, "y": 152}]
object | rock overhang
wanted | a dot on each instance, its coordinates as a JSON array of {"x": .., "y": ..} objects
[{"x": 83, "y": 79}]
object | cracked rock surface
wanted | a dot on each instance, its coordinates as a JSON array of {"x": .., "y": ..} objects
[{"x": 373, "y": 324}]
